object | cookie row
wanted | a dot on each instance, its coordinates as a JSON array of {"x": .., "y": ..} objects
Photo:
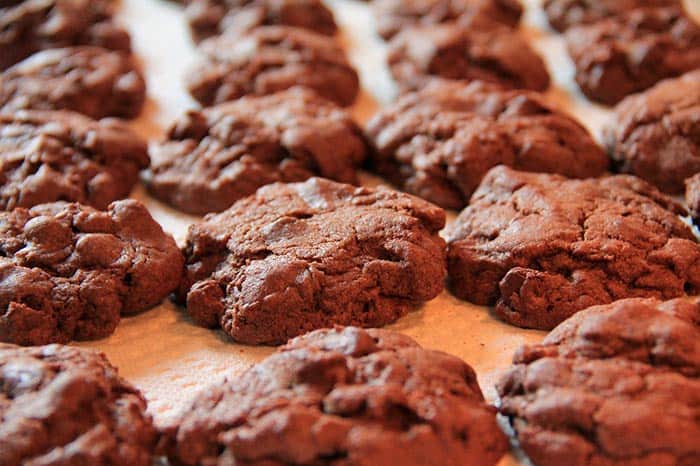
[{"x": 613, "y": 385}]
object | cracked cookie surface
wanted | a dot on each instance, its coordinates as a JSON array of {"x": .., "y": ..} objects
[
  {"x": 563, "y": 14},
  {"x": 542, "y": 247},
  {"x": 69, "y": 271},
  {"x": 344, "y": 396},
  {"x": 270, "y": 59},
  {"x": 217, "y": 155},
  {"x": 61, "y": 405},
  {"x": 615, "y": 385},
  {"x": 90, "y": 80},
  {"x": 301, "y": 256},
  {"x": 465, "y": 53},
  {"x": 619, "y": 56},
  {"x": 655, "y": 136},
  {"x": 213, "y": 17},
  {"x": 439, "y": 142},
  {"x": 64, "y": 156},
  {"x": 34, "y": 25},
  {"x": 393, "y": 16}
]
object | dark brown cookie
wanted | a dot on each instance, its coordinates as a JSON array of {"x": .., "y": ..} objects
[
  {"x": 90, "y": 80},
  {"x": 63, "y": 156},
  {"x": 615, "y": 385},
  {"x": 438, "y": 143},
  {"x": 218, "y": 155},
  {"x": 692, "y": 197},
  {"x": 344, "y": 396},
  {"x": 618, "y": 56},
  {"x": 68, "y": 406},
  {"x": 563, "y": 14},
  {"x": 69, "y": 271},
  {"x": 460, "y": 52},
  {"x": 393, "y": 16},
  {"x": 542, "y": 247},
  {"x": 34, "y": 25},
  {"x": 212, "y": 17},
  {"x": 271, "y": 59},
  {"x": 655, "y": 134},
  {"x": 297, "y": 257}
]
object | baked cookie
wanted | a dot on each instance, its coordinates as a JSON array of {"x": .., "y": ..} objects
[
  {"x": 460, "y": 52},
  {"x": 692, "y": 197},
  {"x": 654, "y": 134},
  {"x": 619, "y": 56},
  {"x": 68, "y": 406},
  {"x": 218, "y": 155},
  {"x": 51, "y": 156},
  {"x": 614, "y": 385},
  {"x": 438, "y": 143},
  {"x": 542, "y": 247},
  {"x": 393, "y": 16},
  {"x": 269, "y": 59},
  {"x": 297, "y": 257},
  {"x": 33, "y": 25},
  {"x": 343, "y": 396},
  {"x": 90, "y": 80},
  {"x": 69, "y": 271},
  {"x": 212, "y": 17},
  {"x": 563, "y": 14}
]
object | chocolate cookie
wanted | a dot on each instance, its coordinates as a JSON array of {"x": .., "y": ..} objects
[
  {"x": 212, "y": 17},
  {"x": 563, "y": 14},
  {"x": 270, "y": 59},
  {"x": 655, "y": 136},
  {"x": 614, "y": 385},
  {"x": 297, "y": 257},
  {"x": 68, "y": 406},
  {"x": 692, "y": 197},
  {"x": 393, "y": 16},
  {"x": 618, "y": 56},
  {"x": 344, "y": 396},
  {"x": 69, "y": 271},
  {"x": 218, "y": 155},
  {"x": 90, "y": 80},
  {"x": 33, "y": 25},
  {"x": 457, "y": 51},
  {"x": 438, "y": 143},
  {"x": 51, "y": 156},
  {"x": 542, "y": 247}
]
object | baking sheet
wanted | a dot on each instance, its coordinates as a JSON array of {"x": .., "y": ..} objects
[{"x": 168, "y": 357}]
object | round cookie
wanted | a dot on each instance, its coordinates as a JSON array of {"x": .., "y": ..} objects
[
  {"x": 89, "y": 80},
  {"x": 212, "y": 17},
  {"x": 63, "y": 156},
  {"x": 622, "y": 55},
  {"x": 69, "y": 271},
  {"x": 33, "y": 25},
  {"x": 654, "y": 134},
  {"x": 270, "y": 59},
  {"x": 393, "y": 16},
  {"x": 68, "y": 406},
  {"x": 439, "y": 142},
  {"x": 297, "y": 257},
  {"x": 460, "y": 52},
  {"x": 218, "y": 155},
  {"x": 614, "y": 385},
  {"x": 563, "y": 14},
  {"x": 344, "y": 396},
  {"x": 542, "y": 247}
]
